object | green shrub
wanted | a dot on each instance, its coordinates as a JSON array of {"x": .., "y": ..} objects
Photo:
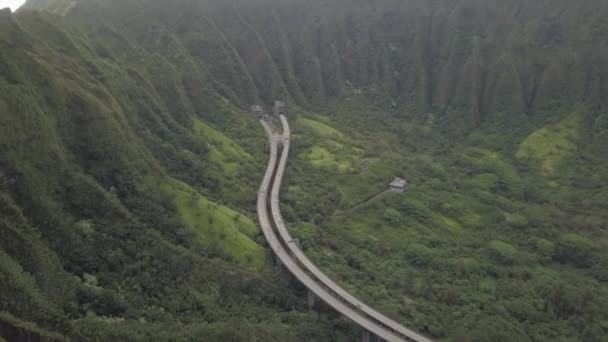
[
  {"x": 391, "y": 215},
  {"x": 419, "y": 255},
  {"x": 600, "y": 270},
  {"x": 502, "y": 252},
  {"x": 574, "y": 249},
  {"x": 544, "y": 248}
]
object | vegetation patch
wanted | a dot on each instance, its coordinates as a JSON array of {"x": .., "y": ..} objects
[
  {"x": 320, "y": 129},
  {"x": 225, "y": 153},
  {"x": 217, "y": 225},
  {"x": 548, "y": 146},
  {"x": 446, "y": 222},
  {"x": 484, "y": 163},
  {"x": 322, "y": 158},
  {"x": 24, "y": 330},
  {"x": 502, "y": 252}
]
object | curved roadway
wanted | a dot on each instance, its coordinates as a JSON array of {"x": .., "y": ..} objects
[
  {"x": 309, "y": 265},
  {"x": 328, "y": 290},
  {"x": 291, "y": 265}
]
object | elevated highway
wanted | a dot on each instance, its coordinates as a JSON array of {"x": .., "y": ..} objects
[
  {"x": 297, "y": 253},
  {"x": 290, "y": 254}
]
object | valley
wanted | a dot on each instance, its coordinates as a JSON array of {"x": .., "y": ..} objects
[{"x": 130, "y": 170}]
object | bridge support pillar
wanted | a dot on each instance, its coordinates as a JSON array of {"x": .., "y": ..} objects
[
  {"x": 277, "y": 260},
  {"x": 367, "y": 336},
  {"x": 311, "y": 299}
]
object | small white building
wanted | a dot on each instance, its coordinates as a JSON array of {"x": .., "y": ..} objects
[{"x": 398, "y": 185}]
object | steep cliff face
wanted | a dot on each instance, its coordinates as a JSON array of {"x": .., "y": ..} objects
[{"x": 465, "y": 61}]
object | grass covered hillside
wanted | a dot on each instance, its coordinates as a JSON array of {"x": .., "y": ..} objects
[
  {"x": 127, "y": 197},
  {"x": 487, "y": 244},
  {"x": 129, "y": 166}
]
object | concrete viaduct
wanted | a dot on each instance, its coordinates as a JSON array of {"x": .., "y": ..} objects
[{"x": 288, "y": 252}]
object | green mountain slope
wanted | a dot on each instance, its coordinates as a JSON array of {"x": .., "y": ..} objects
[
  {"x": 99, "y": 238},
  {"x": 129, "y": 165}
]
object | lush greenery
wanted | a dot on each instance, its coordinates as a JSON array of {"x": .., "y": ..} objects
[
  {"x": 129, "y": 167},
  {"x": 127, "y": 198},
  {"x": 484, "y": 245}
]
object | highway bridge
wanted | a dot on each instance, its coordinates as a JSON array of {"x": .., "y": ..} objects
[{"x": 290, "y": 254}]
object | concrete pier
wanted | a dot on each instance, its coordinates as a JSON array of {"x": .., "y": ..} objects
[
  {"x": 277, "y": 260},
  {"x": 311, "y": 300}
]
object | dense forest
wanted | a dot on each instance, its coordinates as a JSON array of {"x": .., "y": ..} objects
[{"x": 129, "y": 165}]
